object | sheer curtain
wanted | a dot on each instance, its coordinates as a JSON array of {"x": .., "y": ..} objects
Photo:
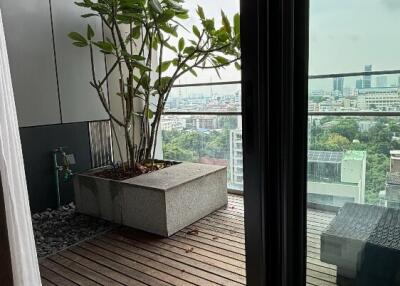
[{"x": 22, "y": 246}]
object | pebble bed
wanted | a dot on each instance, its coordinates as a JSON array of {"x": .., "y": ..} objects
[{"x": 57, "y": 229}]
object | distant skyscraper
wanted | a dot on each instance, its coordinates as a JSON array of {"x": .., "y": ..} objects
[
  {"x": 338, "y": 84},
  {"x": 367, "y": 78},
  {"x": 381, "y": 81},
  {"x": 359, "y": 83}
]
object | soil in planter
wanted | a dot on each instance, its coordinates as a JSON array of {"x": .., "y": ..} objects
[{"x": 120, "y": 173}]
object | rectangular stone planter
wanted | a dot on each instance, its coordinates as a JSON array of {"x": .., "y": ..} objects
[{"x": 162, "y": 202}]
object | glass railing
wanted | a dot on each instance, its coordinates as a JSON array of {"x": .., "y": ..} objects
[
  {"x": 353, "y": 138},
  {"x": 202, "y": 123},
  {"x": 353, "y": 186}
]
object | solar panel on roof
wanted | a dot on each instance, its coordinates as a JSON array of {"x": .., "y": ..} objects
[{"x": 325, "y": 156}]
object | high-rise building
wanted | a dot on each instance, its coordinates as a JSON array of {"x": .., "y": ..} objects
[
  {"x": 236, "y": 160},
  {"x": 338, "y": 84},
  {"x": 381, "y": 81},
  {"x": 335, "y": 178},
  {"x": 367, "y": 78},
  {"x": 359, "y": 84}
]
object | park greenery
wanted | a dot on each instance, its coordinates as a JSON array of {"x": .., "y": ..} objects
[
  {"x": 145, "y": 71},
  {"x": 191, "y": 144},
  {"x": 340, "y": 134}
]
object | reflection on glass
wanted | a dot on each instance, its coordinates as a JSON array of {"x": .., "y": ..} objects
[
  {"x": 354, "y": 199},
  {"x": 208, "y": 139}
]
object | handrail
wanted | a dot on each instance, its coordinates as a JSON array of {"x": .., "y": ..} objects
[
  {"x": 317, "y": 76},
  {"x": 228, "y": 113},
  {"x": 354, "y": 113},
  {"x": 208, "y": 83},
  {"x": 310, "y": 113},
  {"x": 350, "y": 74}
]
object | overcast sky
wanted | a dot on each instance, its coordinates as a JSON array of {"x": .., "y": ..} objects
[
  {"x": 347, "y": 34},
  {"x": 212, "y": 9}
]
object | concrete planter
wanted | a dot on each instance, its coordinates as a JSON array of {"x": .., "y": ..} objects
[{"x": 162, "y": 202}]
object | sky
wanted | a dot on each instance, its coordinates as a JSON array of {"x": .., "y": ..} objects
[
  {"x": 212, "y": 9},
  {"x": 345, "y": 35}
]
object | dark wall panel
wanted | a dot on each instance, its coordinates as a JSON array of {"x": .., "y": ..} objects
[{"x": 37, "y": 145}]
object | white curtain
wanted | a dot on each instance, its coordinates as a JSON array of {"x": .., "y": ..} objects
[{"x": 22, "y": 245}]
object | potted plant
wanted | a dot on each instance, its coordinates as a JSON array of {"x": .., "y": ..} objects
[{"x": 145, "y": 75}]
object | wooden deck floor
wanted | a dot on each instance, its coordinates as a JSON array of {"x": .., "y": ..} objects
[{"x": 209, "y": 252}]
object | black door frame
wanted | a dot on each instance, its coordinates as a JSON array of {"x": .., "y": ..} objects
[{"x": 274, "y": 87}]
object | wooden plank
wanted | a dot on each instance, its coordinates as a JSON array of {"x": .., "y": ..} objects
[
  {"x": 182, "y": 250},
  {"x": 47, "y": 282},
  {"x": 216, "y": 238},
  {"x": 54, "y": 277},
  {"x": 180, "y": 262},
  {"x": 217, "y": 229},
  {"x": 210, "y": 242},
  {"x": 83, "y": 271},
  {"x": 106, "y": 271},
  {"x": 149, "y": 266},
  {"x": 68, "y": 274},
  {"x": 118, "y": 263},
  {"x": 215, "y": 234},
  {"x": 209, "y": 252}
]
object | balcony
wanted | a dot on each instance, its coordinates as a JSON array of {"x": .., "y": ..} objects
[{"x": 209, "y": 252}]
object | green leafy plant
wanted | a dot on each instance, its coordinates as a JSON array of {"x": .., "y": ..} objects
[{"x": 145, "y": 83}]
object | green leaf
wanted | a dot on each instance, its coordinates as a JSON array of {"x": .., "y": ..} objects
[
  {"x": 181, "y": 44},
  {"x": 196, "y": 31},
  {"x": 193, "y": 72},
  {"x": 170, "y": 47},
  {"x": 79, "y": 44},
  {"x": 156, "y": 6},
  {"x": 162, "y": 84},
  {"x": 236, "y": 24},
  {"x": 209, "y": 25},
  {"x": 135, "y": 33},
  {"x": 155, "y": 43},
  {"x": 166, "y": 16},
  {"x": 89, "y": 15},
  {"x": 238, "y": 66},
  {"x": 137, "y": 57},
  {"x": 187, "y": 68},
  {"x": 170, "y": 29},
  {"x": 189, "y": 50},
  {"x": 90, "y": 32},
  {"x": 140, "y": 66},
  {"x": 105, "y": 47},
  {"x": 164, "y": 66},
  {"x": 150, "y": 114},
  {"x": 200, "y": 12},
  {"x": 225, "y": 23},
  {"x": 221, "y": 60},
  {"x": 182, "y": 15},
  {"x": 77, "y": 37}
]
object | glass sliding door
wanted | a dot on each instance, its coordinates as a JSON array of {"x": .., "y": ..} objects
[{"x": 353, "y": 163}]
